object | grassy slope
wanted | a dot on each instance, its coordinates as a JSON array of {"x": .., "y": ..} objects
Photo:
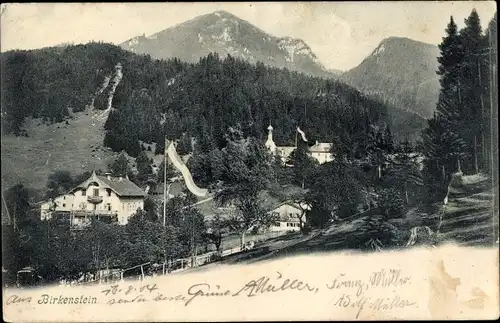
[
  {"x": 468, "y": 220},
  {"x": 30, "y": 160}
]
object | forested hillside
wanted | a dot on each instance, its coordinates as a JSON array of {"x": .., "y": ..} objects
[
  {"x": 169, "y": 97},
  {"x": 52, "y": 82}
]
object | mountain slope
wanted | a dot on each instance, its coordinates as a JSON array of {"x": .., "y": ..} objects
[
  {"x": 156, "y": 98},
  {"x": 226, "y": 34},
  {"x": 75, "y": 147},
  {"x": 401, "y": 72}
]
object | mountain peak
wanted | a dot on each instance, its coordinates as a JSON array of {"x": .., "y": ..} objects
[
  {"x": 224, "y": 13},
  {"x": 395, "y": 43},
  {"x": 401, "y": 71},
  {"x": 226, "y": 34}
]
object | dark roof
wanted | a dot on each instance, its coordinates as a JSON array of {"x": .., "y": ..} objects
[
  {"x": 321, "y": 147},
  {"x": 122, "y": 186}
]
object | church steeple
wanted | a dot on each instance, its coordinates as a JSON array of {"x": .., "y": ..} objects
[{"x": 270, "y": 145}]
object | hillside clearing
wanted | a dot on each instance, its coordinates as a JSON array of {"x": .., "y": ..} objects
[{"x": 75, "y": 147}]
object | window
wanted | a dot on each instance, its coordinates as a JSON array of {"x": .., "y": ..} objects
[
  {"x": 277, "y": 224},
  {"x": 108, "y": 206},
  {"x": 109, "y": 191},
  {"x": 64, "y": 197},
  {"x": 64, "y": 204},
  {"x": 290, "y": 214},
  {"x": 84, "y": 192},
  {"x": 96, "y": 192}
]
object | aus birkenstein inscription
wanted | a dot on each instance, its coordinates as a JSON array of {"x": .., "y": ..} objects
[
  {"x": 48, "y": 299},
  {"x": 63, "y": 300}
]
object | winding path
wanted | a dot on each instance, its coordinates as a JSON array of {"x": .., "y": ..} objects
[{"x": 186, "y": 174}]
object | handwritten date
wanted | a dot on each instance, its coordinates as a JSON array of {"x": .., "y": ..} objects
[{"x": 115, "y": 289}]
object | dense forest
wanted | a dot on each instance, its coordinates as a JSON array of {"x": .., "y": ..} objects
[
  {"x": 458, "y": 137},
  {"x": 157, "y": 98}
]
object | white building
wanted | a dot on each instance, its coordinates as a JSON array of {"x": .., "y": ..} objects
[
  {"x": 99, "y": 196},
  {"x": 321, "y": 151},
  {"x": 288, "y": 215}
]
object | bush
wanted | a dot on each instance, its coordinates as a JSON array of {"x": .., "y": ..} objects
[
  {"x": 306, "y": 229},
  {"x": 391, "y": 203}
]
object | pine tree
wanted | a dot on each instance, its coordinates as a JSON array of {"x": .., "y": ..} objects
[
  {"x": 120, "y": 166},
  {"x": 451, "y": 56},
  {"x": 143, "y": 166},
  {"x": 471, "y": 89},
  {"x": 303, "y": 164},
  {"x": 445, "y": 138},
  {"x": 184, "y": 145}
]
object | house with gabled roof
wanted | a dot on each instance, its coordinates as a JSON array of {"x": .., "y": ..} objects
[
  {"x": 289, "y": 216},
  {"x": 321, "y": 151},
  {"x": 113, "y": 198}
]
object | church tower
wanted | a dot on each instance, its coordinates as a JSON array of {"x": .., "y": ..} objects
[{"x": 270, "y": 145}]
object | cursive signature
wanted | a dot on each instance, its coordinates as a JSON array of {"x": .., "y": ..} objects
[
  {"x": 377, "y": 304},
  {"x": 205, "y": 289},
  {"x": 340, "y": 283},
  {"x": 389, "y": 278},
  {"x": 265, "y": 285}
]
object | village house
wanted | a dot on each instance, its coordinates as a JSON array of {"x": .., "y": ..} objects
[
  {"x": 321, "y": 151},
  {"x": 113, "y": 198},
  {"x": 288, "y": 215}
]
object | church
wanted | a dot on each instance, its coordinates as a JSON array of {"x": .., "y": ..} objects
[{"x": 321, "y": 151}]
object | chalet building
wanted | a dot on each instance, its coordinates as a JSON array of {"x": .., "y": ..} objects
[
  {"x": 321, "y": 151},
  {"x": 107, "y": 197},
  {"x": 288, "y": 214}
]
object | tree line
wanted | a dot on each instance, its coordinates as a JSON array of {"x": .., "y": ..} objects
[
  {"x": 458, "y": 137},
  {"x": 242, "y": 175},
  {"x": 168, "y": 97}
]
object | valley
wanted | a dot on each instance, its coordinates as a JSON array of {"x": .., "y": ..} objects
[{"x": 269, "y": 153}]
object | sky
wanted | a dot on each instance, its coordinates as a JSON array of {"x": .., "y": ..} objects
[{"x": 341, "y": 34}]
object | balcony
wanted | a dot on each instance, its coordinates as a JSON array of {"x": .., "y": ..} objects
[{"x": 94, "y": 199}]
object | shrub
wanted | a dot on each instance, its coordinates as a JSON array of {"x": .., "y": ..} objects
[
  {"x": 391, "y": 203},
  {"x": 306, "y": 229}
]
